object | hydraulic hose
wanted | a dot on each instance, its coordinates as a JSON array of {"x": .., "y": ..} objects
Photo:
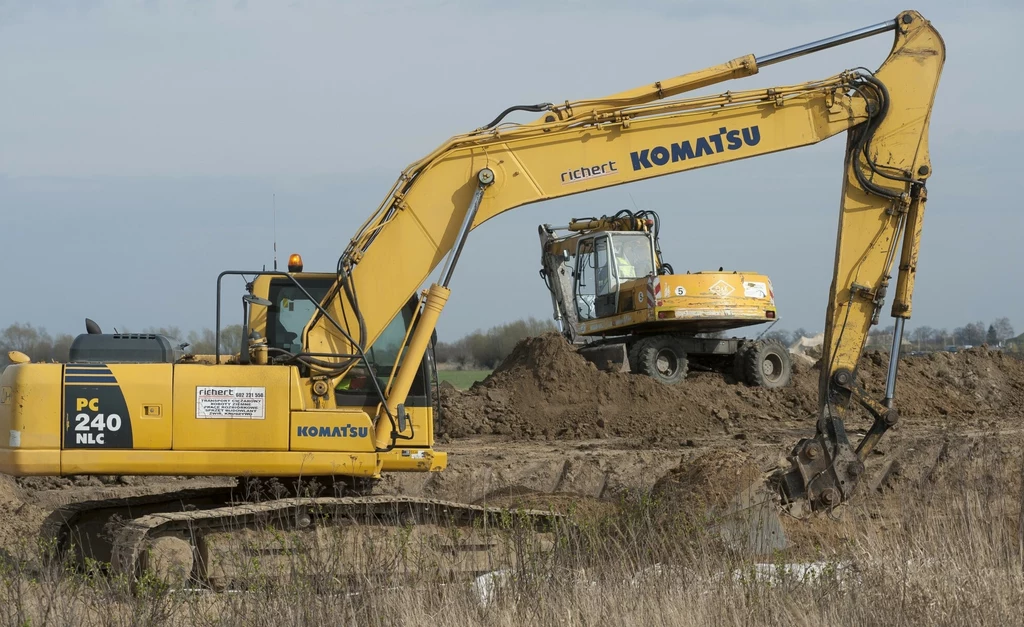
[{"x": 537, "y": 108}]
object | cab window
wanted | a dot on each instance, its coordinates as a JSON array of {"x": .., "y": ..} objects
[
  {"x": 357, "y": 389},
  {"x": 291, "y": 311},
  {"x": 633, "y": 256},
  {"x": 594, "y": 282}
]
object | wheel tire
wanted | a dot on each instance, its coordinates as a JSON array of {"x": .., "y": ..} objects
[
  {"x": 739, "y": 363},
  {"x": 663, "y": 358},
  {"x": 768, "y": 365}
]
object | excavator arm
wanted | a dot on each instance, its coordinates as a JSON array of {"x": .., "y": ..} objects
[
  {"x": 882, "y": 211},
  {"x": 641, "y": 134}
]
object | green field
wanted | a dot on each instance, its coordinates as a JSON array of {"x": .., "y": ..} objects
[{"x": 461, "y": 379}]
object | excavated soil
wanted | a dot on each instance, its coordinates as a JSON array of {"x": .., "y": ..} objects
[
  {"x": 544, "y": 389},
  {"x": 708, "y": 481},
  {"x": 10, "y": 503}
]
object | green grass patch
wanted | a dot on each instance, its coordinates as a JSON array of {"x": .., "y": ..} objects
[{"x": 462, "y": 379}]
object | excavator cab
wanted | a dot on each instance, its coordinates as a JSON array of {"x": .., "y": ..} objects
[
  {"x": 292, "y": 308},
  {"x": 293, "y": 303},
  {"x": 604, "y": 263}
]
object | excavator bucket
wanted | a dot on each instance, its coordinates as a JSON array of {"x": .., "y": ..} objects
[
  {"x": 730, "y": 495},
  {"x": 752, "y": 523},
  {"x": 608, "y": 357}
]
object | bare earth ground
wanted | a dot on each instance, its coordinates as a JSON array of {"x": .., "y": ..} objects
[{"x": 548, "y": 429}]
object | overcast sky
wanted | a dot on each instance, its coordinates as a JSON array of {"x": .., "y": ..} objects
[{"x": 141, "y": 144}]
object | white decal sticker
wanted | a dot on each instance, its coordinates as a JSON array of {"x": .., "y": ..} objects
[
  {"x": 231, "y": 402},
  {"x": 753, "y": 289},
  {"x": 680, "y": 291},
  {"x": 640, "y": 296},
  {"x": 15, "y": 441},
  {"x": 721, "y": 288},
  {"x": 588, "y": 172}
]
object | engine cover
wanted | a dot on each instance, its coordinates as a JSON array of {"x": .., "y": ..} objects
[{"x": 123, "y": 348}]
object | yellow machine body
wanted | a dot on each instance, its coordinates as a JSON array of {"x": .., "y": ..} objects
[
  {"x": 701, "y": 302},
  {"x": 193, "y": 419},
  {"x": 606, "y": 276},
  {"x": 614, "y": 296}
]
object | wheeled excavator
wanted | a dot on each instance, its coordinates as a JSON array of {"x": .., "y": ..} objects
[
  {"x": 622, "y": 305},
  {"x": 333, "y": 376}
]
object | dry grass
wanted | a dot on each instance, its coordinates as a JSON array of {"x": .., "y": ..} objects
[{"x": 949, "y": 555}]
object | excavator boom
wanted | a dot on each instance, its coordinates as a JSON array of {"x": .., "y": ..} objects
[{"x": 644, "y": 133}]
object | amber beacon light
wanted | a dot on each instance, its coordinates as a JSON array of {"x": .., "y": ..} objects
[{"x": 295, "y": 263}]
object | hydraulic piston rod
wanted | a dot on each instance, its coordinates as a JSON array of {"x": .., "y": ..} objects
[
  {"x": 436, "y": 298},
  {"x": 823, "y": 44},
  {"x": 894, "y": 362},
  {"x": 485, "y": 177}
]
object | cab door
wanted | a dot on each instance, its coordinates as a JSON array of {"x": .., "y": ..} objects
[{"x": 595, "y": 289}]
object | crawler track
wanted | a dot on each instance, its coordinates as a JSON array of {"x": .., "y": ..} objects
[
  {"x": 214, "y": 539},
  {"x": 86, "y": 528}
]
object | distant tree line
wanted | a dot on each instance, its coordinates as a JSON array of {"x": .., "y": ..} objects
[
  {"x": 34, "y": 342},
  {"x": 486, "y": 349},
  {"x": 480, "y": 349},
  {"x": 41, "y": 346},
  {"x": 924, "y": 338}
]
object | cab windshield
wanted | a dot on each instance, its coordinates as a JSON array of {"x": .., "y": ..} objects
[
  {"x": 291, "y": 310},
  {"x": 633, "y": 256}
]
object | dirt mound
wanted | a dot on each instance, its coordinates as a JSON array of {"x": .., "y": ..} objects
[
  {"x": 14, "y": 528},
  {"x": 723, "y": 497},
  {"x": 9, "y": 492},
  {"x": 975, "y": 383},
  {"x": 708, "y": 481},
  {"x": 544, "y": 389}
]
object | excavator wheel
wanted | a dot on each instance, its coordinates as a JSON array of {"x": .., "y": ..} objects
[
  {"x": 661, "y": 357},
  {"x": 739, "y": 364},
  {"x": 767, "y": 364}
]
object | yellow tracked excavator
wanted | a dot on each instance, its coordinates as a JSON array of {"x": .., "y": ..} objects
[
  {"x": 625, "y": 309},
  {"x": 333, "y": 378}
]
